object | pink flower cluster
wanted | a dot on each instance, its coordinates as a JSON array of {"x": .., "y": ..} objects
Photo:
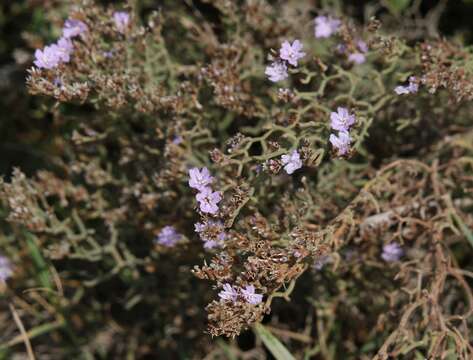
[
  {"x": 232, "y": 293},
  {"x": 200, "y": 179},
  {"x": 341, "y": 120},
  {"x": 288, "y": 54},
  {"x": 60, "y": 52}
]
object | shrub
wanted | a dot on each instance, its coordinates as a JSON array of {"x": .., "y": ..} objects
[{"x": 244, "y": 144}]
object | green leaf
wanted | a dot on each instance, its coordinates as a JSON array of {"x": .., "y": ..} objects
[
  {"x": 274, "y": 346},
  {"x": 40, "y": 265}
]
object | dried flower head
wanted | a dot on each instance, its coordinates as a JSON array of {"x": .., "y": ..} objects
[{"x": 211, "y": 232}]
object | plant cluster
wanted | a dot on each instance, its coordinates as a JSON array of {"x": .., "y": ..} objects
[{"x": 230, "y": 156}]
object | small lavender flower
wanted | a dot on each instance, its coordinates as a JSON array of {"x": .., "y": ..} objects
[
  {"x": 341, "y": 120},
  {"x": 228, "y": 293},
  {"x": 249, "y": 294},
  {"x": 168, "y": 236},
  {"x": 48, "y": 58},
  {"x": 6, "y": 269},
  {"x": 341, "y": 142},
  {"x": 277, "y": 71},
  {"x": 200, "y": 179},
  {"x": 199, "y": 227},
  {"x": 211, "y": 244},
  {"x": 73, "y": 28},
  {"x": 392, "y": 252},
  {"x": 177, "y": 140},
  {"x": 108, "y": 54},
  {"x": 325, "y": 26},
  {"x": 64, "y": 49},
  {"x": 359, "y": 56},
  {"x": 57, "y": 81},
  {"x": 291, "y": 53},
  {"x": 362, "y": 46},
  {"x": 411, "y": 88},
  {"x": 341, "y": 48},
  {"x": 122, "y": 20},
  {"x": 208, "y": 200},
  {"x": 291, "y": 162}
]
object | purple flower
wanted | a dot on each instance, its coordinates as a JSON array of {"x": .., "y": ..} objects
[
  {"x": 200, "y": 179},
  {"x": 199, "y": 227},
  {"x": 291, "y": 53},
  {"x": 52, "y": 55},
  {"x": 362, "y": 46},
  {"x": 48, "y": 58},
  {"x": 168, "y": 236},
  {"x": 291, "y": 162},
  {"x": 177, "y": 140},
  {"x": 228, "y": 293},
  {"x": 122, "y": 20},
  {"x": 108, "y": 54},
  {"x": 411, "y": 88},
  {"x": 208, "y": 200},
  {"x": 249, "y": 294},
  {"x": 392, "y": 252},
  {"x": 64, "y": 49},
  {"x": 325, "y": 26},
  {"x": 359, "y": 56},
  {"x": 6, "y": 269},
  {"x": 341, "y": 120},
  {"x": 73, "y": 28},
  {"x": 277, "y": 71},
  {"x": 211, "y": 244},
  {"x": 341, "y": 48},
  {"x": 57, "y": 81},
  {"x": 341, "y": 142}
]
